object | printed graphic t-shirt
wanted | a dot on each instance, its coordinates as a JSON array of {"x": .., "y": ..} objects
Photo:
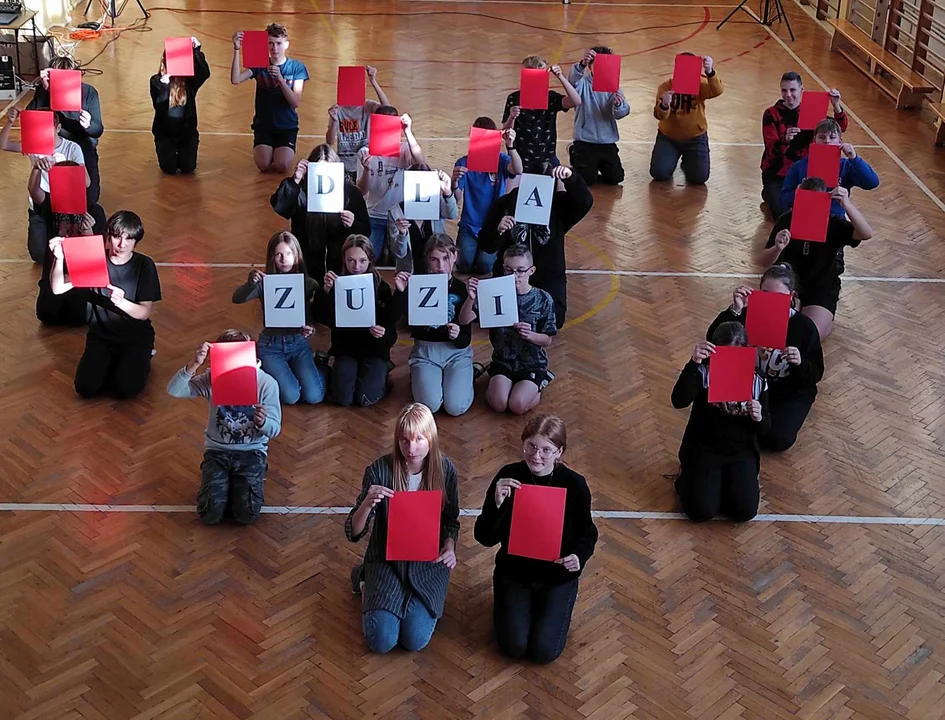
[{"x": 273, "y": 111}]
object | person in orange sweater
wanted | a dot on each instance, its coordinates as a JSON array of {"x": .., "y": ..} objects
[{"x": 683, "y": 129}]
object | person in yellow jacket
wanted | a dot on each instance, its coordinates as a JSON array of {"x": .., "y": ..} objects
[{"x": 683, "y": 129}]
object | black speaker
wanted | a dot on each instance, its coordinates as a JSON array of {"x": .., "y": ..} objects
[{"x": 7, "y": 81}]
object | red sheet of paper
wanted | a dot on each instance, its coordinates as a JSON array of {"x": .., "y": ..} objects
[
  {"x": 85, "y": 261},
  {"x": 484, "y": 148},
  {"x": 384, "y": 135},
  {"x": 533, "y": 89},
  {"x": 413, "y": 525},
  {"x": 179, "y": 52},
  {"x": 67, "y": 192},
  {"x": 813, "y": 109},
  {"x": 537, "y": 522},
  {"x": 37, "y": 132},
  {"x": 255, "y": 49},
  {"x": 810, "y": 215},
  {"x": 351, "y": 85},
  {"x": 732, "y": 373},
  {"x": 606, "y": 73},
  {"x": 233, "y": 373},
  {"x": 823, "y": 161},
  {"x": 65, "y": 90},
  {"x": 687, "y": 74},
  {"x": 767, "y": 319}
]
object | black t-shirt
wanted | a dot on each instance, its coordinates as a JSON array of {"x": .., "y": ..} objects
[
  {"x": 139, "y": 279},
  {"x": 536, "y": 131},
  {"x": 816, "y": 264}
]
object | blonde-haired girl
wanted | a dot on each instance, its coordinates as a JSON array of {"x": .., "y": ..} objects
[{"x": 403, "y": 600}]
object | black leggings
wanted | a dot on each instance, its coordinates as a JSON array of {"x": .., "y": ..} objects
[
  {"x": 177, "y": 154},
  {"x": 711, "y": 485},
  {"x": 119, "y": 370},
  {"x": 787, "y": 418},
  {"x": 70, "y": 309}
]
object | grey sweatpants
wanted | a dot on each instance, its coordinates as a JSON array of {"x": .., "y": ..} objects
[{"x": 442, "y": 375}]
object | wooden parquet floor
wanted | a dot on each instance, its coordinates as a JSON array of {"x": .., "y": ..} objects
[{"x": 123, "y": 615}]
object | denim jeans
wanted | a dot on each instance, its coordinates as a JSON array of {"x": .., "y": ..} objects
[
  {"x": 694, "y": 153},
  {"x": 470, "y": 258},
  {"x": 531, "y": 619},
  {"x": 288, "y": 358},
  {"x": 231, "y": 485},
  {"x": 378, "y": 236},
  {"x": 441, "y": 375},
  {"x": 383, "y": 630}
]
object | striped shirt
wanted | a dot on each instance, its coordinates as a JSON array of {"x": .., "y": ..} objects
[{"x": 390, "y": 585}]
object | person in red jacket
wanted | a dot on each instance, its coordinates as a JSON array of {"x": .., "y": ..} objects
[{"x": 785, "y": 143}]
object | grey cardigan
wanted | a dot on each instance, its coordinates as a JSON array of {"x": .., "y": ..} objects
[{"x": 389, "y": 585}]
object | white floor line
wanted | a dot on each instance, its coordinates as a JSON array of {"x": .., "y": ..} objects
[
  {"x": 468, "y": 512},
  {"x": 575, "y": 271},
  {"x": 465, "y": 139},
  {"x": 885, "y": 148}
]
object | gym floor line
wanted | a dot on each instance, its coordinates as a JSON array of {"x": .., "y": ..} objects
[
  {"x": 468, "y": 512},
  {"x": 572, "y": 271}
]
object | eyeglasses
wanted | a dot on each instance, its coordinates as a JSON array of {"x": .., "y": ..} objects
[
  {"x": 516, "y": 271},
  {"x": 545, "y": 452}
]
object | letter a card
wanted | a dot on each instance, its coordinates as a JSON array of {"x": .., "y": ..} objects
[
  {"x": 498, "y": 303},
  {"x": 533, "y": 206},
  {"x": 354, "y": 301},
  {"x": 326, "y": 187},
  {"x": 284, "y": 300},
  {"x": 428, "y": 300}
]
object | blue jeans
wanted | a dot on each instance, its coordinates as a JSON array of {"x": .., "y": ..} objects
[
  {"x": 383, "y": 630},
  {"x": 694, "y": 153},
  {"x": 470, "y": 258},
  {"x": 288, "y": 358},
  {"x": 378, "y": 236}
]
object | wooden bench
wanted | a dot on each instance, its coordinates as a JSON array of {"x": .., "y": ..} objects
[
  {"x": 912, "y": 86},
  {"x": 939, "y": 110}
]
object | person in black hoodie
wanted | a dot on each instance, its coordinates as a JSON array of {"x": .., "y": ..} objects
[
  {"x": 359, "y": 373},
  {"x": 719, "y": 458},
  {"x": 175, "y": 115},
  {"x": 534, "y": 598},
  {"x": 441, "y": 362},
  {"x": 792, "y": 372},
  {"x": 83, "y": 127},
  {"x": 571, "y": 202},
  {"x": 321, "y": 235}
]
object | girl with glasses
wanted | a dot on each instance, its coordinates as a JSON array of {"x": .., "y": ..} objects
[{"x": 534, "y": 598}]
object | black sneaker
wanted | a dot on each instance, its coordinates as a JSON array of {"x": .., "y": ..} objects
[
  {"x": 357, "y": 582},
  {"x": 478, "y": 370}
]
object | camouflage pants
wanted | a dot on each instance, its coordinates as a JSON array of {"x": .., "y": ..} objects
[{"x": 231, "y": 485}]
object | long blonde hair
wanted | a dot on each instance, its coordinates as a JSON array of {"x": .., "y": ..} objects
[
  {"x": 177, "y": 90},
  {"x": 416, "y": 419}
]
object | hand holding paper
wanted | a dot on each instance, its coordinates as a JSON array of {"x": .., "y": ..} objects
[
  {"x": 413, "y": 526},
  {"x": 732, "y": 373},
  {"x": 537, "y": 522},
  {"x": 233, "y": 373}
]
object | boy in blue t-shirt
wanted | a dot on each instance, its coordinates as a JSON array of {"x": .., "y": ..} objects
[
  {"x": 278, "y": 95},
  {"x": 477, "y": 191}
]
